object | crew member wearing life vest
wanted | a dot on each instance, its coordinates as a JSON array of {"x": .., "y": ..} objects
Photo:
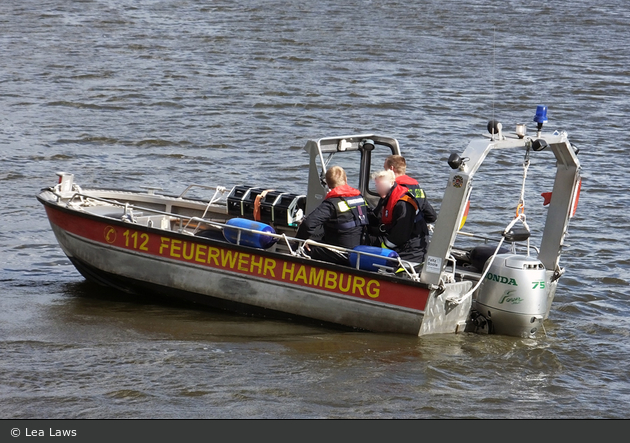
[
  {"x": 398, "y": 164},
  {"x": 340, "y": 220},
  {"x": 398, "y": 221}
]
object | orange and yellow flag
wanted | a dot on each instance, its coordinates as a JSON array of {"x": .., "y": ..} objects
[{"x": 465, "y": 216}]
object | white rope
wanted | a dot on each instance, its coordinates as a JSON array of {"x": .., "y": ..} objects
[
  {"x": 286, "y": 241},
  {"x": 412, "y": 275},
  {"x": 521, "y": 203},
  {"x": 460, "y": 299},
  {"x": 520, "y": 216},
  {"x": 525, "y": 168},
  {"x": 213, "y": 200}
]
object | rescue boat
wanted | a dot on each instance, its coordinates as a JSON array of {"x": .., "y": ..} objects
[{"x": 237, "y": 250}]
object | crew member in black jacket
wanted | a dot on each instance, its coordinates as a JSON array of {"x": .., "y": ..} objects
[
  {"x": 340, "y": 219},
  {"x": 399, "y": 221}
]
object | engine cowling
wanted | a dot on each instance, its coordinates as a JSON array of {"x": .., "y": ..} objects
[{"x": 513, "y": 295}]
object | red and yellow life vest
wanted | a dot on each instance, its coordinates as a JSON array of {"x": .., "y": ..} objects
[
  {"x": 343, "y": 191},
  {"x": 412, "y": 185},
  {"x": 350, "y": 208},
  {"x": 398, "y": 193}
]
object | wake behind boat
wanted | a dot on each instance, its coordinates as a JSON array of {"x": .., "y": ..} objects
[{"x": 238, "y": 250}]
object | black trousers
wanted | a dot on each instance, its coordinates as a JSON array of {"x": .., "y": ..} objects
[
  {"x": 329, "y": 255},
  {"x": 412, "y": 250}
]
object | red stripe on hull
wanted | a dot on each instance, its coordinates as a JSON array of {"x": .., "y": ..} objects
[{"x": 245, "y": 261}]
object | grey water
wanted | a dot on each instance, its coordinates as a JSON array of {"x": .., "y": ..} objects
[{"x": 133, "y": 93}]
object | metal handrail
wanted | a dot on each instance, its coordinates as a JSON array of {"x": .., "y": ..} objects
[
  {"x": 221, "y": 226},
  {"x": 487, "y": 239},
  {"x": 123, "y": 205},
  {"x": 221, "y": 189},
  {"x": 303, "y": 243}
]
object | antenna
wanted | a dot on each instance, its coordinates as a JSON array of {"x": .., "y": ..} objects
[
  {"x": 494, "y": 66},
  {"x": 494, "y": 127}
]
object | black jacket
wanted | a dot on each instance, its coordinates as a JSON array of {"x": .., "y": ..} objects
[
  {"x": 408, "y": 234},
  {"x": 328, "y": 224}
]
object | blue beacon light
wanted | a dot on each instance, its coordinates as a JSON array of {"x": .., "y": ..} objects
[{"x": 541, "y": 116}]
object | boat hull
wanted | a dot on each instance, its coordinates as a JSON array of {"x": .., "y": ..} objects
[{"x": 224, "y": 275}]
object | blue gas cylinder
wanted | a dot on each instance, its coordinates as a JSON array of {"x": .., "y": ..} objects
[
  {"x": 369, "y": 263},
  {"x": 253, "y": 239}
]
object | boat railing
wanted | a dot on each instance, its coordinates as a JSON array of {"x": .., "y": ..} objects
[
  {"x": 295, "y": 246},
  {"x": 486, "y": 240},
  {"x": 218, "y": 190},
  {"x": 303, "y": 244}
]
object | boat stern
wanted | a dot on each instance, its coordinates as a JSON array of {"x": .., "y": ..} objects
[{"x": 447, "y": 310}]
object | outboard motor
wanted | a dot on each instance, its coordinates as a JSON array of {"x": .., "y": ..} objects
[{"x": 513, "y": 296}]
